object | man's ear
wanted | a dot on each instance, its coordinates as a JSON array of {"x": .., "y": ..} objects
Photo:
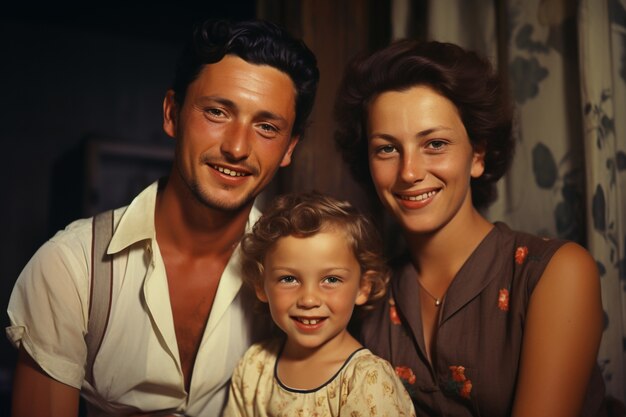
[
  {"x": 170, "y": 113},
  {"x": 290, "y": 148},
  {"x": 365, "y": 288},
  {"x": 260, "y": 293}
]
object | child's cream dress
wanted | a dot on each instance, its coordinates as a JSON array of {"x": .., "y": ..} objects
[{"x": 366, "y": 385}]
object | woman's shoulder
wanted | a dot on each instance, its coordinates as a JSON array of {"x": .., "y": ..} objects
[
  {"x": 541, "y": 245},
  {"x": 541, "y": 258}
]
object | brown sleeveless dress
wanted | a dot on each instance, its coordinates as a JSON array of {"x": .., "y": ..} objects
[{"x": 476, "y": 357}]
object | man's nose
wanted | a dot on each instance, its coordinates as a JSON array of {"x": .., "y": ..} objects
[{"x": 236, "y": 145}]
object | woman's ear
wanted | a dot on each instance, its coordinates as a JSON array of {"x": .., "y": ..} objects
[
  {"x": 365, "y": 288},
  {"x": 478, "y": 162}
]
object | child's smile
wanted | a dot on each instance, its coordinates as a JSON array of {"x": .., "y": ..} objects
[{"x": 312, "y": 285}]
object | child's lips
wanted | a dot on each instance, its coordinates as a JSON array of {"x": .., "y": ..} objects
[{"x": 309, "y": 322}]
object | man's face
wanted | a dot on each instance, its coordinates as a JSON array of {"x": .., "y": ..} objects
[{"x": 233, "y": 131}]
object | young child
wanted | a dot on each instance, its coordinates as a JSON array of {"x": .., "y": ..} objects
[{"x": 312, "y": 259}]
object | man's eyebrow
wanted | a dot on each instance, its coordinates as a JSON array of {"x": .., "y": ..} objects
[
  {"x": 264, "y": 114},
  {"x": 221, "y": 100}
]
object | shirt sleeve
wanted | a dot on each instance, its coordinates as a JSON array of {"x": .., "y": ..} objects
[
  {"x": 377, "y": 391},
  {"x": 48, "y": 311}
]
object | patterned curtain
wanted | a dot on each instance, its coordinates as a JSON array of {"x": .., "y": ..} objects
[
  {"x": 566, "y": 67},
  {"x": 602, "y": 40}
]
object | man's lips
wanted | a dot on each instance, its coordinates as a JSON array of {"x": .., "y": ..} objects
[{"x": 230, "y": 171}]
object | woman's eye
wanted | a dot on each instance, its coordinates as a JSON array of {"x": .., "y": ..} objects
[
  {"x": 436, "y": 144},
  {"x": 386, "y": 149}
]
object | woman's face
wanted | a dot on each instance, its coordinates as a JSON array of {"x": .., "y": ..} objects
[{"x": 421, "y": 159}]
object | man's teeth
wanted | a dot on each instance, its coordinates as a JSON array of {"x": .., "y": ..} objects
[
  {"x": 419, "y": 197},
  {"x": 229, "y": 171},
  {"x": 309, "y": 321}
]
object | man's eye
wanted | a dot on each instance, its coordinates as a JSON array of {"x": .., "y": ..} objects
[
  {"x": 214, "y": 112},
  {"x": 267, "y": 127}
]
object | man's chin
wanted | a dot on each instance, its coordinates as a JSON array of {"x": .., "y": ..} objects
[{"x": 224, "y": 204}]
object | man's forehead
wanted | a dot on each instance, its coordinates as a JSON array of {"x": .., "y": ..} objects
[{"x": 236, "y": 63}]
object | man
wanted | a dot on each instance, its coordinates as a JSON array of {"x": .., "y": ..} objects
[{"x": 179, "y": 318}]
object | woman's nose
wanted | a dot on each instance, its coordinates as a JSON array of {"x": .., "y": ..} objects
[{"x": 412, "y": 168}]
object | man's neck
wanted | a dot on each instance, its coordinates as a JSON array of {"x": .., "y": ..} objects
[{"x": 184, "y": 223}]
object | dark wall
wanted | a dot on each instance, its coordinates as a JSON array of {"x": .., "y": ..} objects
[{"x": 66, "y": 77}]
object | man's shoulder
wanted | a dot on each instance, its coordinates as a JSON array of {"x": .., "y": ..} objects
[{"x": 80, "y": 231}]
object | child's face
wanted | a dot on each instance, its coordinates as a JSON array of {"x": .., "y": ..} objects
[{"x": 312, "y": 285}]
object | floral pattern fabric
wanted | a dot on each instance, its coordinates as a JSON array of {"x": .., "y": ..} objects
[
  {"x": 479, "y": 335},
  {"x": 602, "y": 45},
  {"x": 366, "y": 386},
  {"x": 566, "y": 68}
]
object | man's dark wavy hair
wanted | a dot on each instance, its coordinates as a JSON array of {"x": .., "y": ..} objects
[
  {"x": 463, "y": 77},
  {"x": 256, "y": 42}
]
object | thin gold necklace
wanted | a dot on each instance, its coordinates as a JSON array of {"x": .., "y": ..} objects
[{"x": 437, "y": 300}]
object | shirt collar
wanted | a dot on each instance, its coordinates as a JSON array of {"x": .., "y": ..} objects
[{"x": 137, "y": 222}]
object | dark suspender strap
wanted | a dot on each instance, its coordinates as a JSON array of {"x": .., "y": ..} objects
[{"x": 101, "y": 287}]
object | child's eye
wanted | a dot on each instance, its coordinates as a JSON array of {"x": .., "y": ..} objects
[
  {"x": 332, "y": 280},
  {"x": 287, "y": 279}
]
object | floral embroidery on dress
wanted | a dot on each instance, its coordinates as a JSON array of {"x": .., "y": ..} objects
[
  {"x": 520, "y": 254},
  {"x": 405, "y": 374},
  {"x": 503, "y": 299},
  {"x": 371, "y": 377},
  {"x": 393, "y": 312},
  {"x": 459, "y": 383}
]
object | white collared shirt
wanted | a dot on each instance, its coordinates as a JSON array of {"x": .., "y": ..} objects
[{"x": 138, "y": 366}]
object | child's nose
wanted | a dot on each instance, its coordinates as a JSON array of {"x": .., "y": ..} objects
[{"x": 309, "y": 299}]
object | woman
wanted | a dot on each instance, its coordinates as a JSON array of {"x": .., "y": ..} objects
[{"x": 481, "y": 320}]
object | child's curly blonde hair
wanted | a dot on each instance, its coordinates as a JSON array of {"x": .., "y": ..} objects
[{"x": 306, "y": 214}]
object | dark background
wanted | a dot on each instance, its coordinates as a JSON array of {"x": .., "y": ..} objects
[{"x": 69, "y": 76}]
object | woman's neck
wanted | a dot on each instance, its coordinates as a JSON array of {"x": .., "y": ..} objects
[{"x": 442, "y": 253}]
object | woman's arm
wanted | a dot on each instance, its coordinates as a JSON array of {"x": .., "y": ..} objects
[
  {"x": 561, "y": 336},
  {"x": 37, "y": 394}
]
